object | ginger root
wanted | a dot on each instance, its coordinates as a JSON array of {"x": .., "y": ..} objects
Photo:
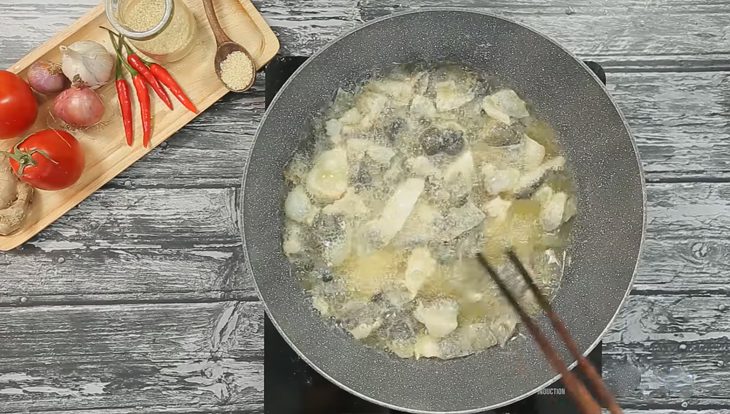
[{"x": 15, "y": 198}]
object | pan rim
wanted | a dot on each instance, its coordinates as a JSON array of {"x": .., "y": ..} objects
[{"x": 641, "y": 177}]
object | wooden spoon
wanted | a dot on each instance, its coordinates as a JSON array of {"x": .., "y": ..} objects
[{"x": 226, "y": 46}]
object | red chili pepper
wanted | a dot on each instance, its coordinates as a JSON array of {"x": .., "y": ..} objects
[
  {"x": 164, "y": 76},
  {"x": 125, "y": 103},
  {"x": 141, "y": 66},
  {"x": 137, "y": 63},
  {"x": 157, "y": 72},
  {"x": 143, "y": 96}
]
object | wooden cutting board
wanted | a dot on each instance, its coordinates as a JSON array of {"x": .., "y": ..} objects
[{"x": 107, "y": 153}]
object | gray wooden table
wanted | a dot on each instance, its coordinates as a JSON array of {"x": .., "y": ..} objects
[{"x": 138, "y": 301}]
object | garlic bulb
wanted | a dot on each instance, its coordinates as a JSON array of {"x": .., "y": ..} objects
[{"x": 88, "y": 60}]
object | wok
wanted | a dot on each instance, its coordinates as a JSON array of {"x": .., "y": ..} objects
[{"x": 607, "y": 231}]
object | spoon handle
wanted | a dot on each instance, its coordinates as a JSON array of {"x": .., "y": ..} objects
[{"x": 220, "y": 35}]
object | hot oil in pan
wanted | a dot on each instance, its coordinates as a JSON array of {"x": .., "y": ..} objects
[{"x": 292, "y": 387}]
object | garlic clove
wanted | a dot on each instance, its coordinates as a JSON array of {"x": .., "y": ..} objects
[{"x": 89, "y": 61}]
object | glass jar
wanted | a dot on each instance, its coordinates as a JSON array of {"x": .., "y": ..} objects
[{"x": 161, "y": 29}]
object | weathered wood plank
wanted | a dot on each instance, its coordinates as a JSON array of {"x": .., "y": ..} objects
[
  {"x": 686, "y": 244},
  {"x": 126, "y": 274},
  {"x": 620, "y": 29},
  {"x": 152, "y": 217},
  {"x": 609, "y": 29},
  {"x": 680, "y": 120},
  {"x": 202, "y": 357},
  {"x": 184, "y": 244},
  {"x": 120, "y": 244},
  {"x": 670, "y": 351}
]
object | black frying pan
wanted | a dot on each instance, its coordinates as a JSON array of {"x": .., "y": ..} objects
[{"x": 607, "y": 231}]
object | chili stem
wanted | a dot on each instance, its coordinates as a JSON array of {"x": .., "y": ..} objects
[{"x": 117, "y": 50}]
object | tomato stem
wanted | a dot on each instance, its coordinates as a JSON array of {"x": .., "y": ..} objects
[{"x": 25, "y": 159}]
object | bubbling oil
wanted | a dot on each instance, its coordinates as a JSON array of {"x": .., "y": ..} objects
[{"x": 408, "y": 176}]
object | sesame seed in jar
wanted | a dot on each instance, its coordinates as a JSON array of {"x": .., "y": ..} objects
[
  {"x": 236, "y": 71},
  {"x": 174, "y": 41},
  {"x": 144, "y": 14}
]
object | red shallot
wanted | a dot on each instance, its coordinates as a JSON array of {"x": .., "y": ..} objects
[
  {"x": 79, "y": 106},
  {"x": 46, "y": 77}
]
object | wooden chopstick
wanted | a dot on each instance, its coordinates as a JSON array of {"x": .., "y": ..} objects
[
  {"x": 604, "y": 394},
  {"x": 575, "y": 388}
]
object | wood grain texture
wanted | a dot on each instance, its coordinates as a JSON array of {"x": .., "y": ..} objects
[
  {"x": 612, "y": 30},
  {"x": 670, "y": 352},
  {"x": 618, "y": 31},
  {"x": 686, "y": 247},
  {"x": 134, "y": 245},
  {"x": 680, "y": 121},
  {"x": 203, "y": 357}
]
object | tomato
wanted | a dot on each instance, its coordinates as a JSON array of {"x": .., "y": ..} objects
[
  {"x": 50, "y": 159},
  {"x": 18, "y": 107}
]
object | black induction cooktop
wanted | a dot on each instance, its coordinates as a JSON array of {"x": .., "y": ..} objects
[{"x": 293, "y": 387}]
